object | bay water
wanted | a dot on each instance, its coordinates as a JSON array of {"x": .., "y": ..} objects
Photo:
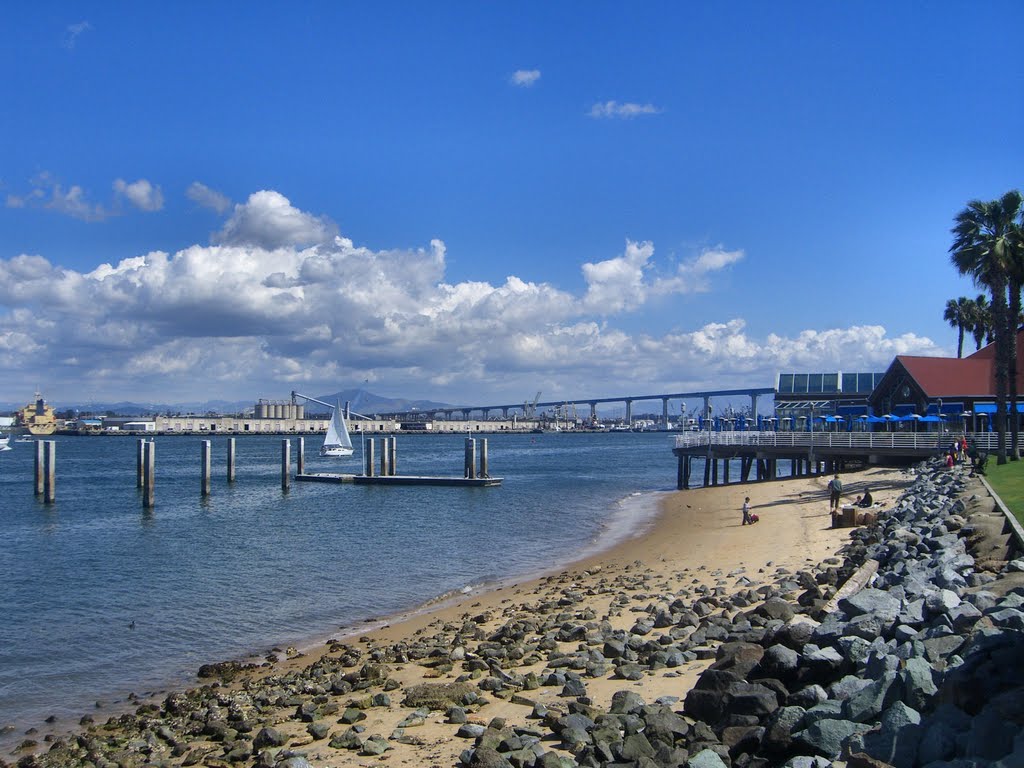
[{"x": 101, "y": 598}]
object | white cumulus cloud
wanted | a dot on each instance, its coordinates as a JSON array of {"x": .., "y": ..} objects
[
  {"x": 524, "y": 78},
  {"x": 269, "y": 220},
  {"x": 142, "y": 194}
]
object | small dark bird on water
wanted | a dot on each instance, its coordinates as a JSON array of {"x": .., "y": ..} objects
[{"x": 132, "y": 625}]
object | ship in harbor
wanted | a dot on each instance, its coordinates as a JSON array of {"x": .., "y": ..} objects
[{"x": 36, "y": 418}]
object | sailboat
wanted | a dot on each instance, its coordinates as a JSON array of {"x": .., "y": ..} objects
[{"x": 337, "y": 443}]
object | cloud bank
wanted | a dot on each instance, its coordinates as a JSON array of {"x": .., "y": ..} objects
[{"x": 280, "y": 299}]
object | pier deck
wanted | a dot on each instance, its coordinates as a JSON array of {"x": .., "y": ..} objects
[
  {"x": 465, "y": 482},
  {"x": 809, "y": 453}
]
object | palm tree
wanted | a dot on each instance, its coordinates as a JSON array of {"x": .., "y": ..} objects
[
  {"x": 981, "y": 321},
  {"x": 983, "y": 238},
  {"x": 1015, "y": 279},
  {"x": 959, "y": 315}
]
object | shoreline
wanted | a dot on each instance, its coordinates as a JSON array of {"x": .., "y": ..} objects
[
  {"x": 301, "y": 648},
  {"x": 692, "y": 535}
]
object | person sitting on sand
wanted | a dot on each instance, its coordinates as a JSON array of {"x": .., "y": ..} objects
[
  {"x": 865, "y": 500},
  {"x": 746, "y": 512}
]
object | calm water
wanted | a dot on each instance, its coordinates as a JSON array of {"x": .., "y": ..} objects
[{"x": 251, "y": 567}]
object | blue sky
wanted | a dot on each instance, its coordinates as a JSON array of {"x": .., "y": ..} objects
[{"x": 474, "y": 202}]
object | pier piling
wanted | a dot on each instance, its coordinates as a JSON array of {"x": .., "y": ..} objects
[
  {"x": 39, "y": 468},
  {"x": 50, "y": 471},
  {"x": 368, "y": 467},
  {"x": 300, "y": 458},
  {"x": 393, "y": 453},
  {"x": 483, "y": 457},
  {"x": 385, "y": 456},
  {"x": 231, "y": 460},
  {"x": 204, "y": 474},
  {"x": 140, "y": 450},
  {"x": 470, "y": 462},
  {"x": 148, "y": 474},
  {"x": 286, "y": 464}
]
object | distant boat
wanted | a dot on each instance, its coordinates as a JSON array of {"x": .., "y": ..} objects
[
  {"x": 337, "y": 443},
  {"x": 25, "y": 439},
  {"x": 4, "y": 440}
]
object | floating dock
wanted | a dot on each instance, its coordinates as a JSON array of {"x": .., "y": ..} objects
[{"x": 462, "y": 482}]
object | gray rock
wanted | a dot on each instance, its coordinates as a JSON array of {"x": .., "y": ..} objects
[
  {"x": 826, "y": 737},
  {"x": 269, "y": 737},
  {"x": 706, "y": 758},
  {"x": 470, "y": 731},
  {"x": 872, "y": 601},
  {"x": 869, "y": 702},
  {"x": 896, "y": 741}
]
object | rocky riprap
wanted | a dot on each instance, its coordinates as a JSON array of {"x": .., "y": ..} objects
[{"x": 921, "y": 669}]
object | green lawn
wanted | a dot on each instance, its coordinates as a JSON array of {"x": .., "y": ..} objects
[{"x": 1008, "y": 482}]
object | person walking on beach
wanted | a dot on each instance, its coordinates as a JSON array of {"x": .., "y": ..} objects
[
  {"x": 746, "y": 512},
  {"x": 835, "y": 490}
]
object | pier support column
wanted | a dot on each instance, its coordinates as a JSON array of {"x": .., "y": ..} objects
[
  {"x": 725, "y": 471},
  {"x": 286, "y": 464},
  {"x": 139, "y": 458},
  {"x": 368, "y": 456},
  {"x": 204, "y": 472},
  {"x": 50, "y": 472},
  {"x": 385, "y": 457},
  {"x": 300, "y": 456},
  {"x": 707, "y": 471},
  {"x": 393, "y": 453},
  {"x": 40, "y": 461},
  {"x": 714, "y": 471},
  {"x": 483, "y": 457},
  {"x": 148, "y": 475},
  {"x": 470, "y": 462},
  {"x": 231, "y": 460},
  {"x": 593, "y": 413}
]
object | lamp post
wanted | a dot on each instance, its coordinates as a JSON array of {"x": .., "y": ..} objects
[{"x": 810, "y": 452}]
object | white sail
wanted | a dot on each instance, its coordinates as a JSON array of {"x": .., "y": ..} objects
[{"x": 337, "y": 442}]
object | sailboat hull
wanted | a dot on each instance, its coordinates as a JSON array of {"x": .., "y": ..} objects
[{"x": 336, "y": 451}]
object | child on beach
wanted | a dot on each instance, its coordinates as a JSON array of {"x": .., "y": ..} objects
[{"x": 746, "y": 512}]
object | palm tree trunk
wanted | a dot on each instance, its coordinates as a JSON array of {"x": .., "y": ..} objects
[
  {"x": 1002, "y": 364},
  {"x": 960, "y": 342},
  {"x": 1012, "y": 315}
]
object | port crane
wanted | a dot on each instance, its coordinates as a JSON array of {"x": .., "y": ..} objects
[{"x": 530, "y": 409}]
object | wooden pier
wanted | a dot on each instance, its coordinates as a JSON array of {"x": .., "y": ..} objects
[
  {"x": 808, "y": 453},
  {"x": 464, "y": 482}
]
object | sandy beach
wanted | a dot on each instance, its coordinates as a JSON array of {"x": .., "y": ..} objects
[{"x": 695, "y": 543}]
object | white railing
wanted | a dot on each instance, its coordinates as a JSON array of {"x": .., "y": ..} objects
[{"x": 985, "y": 441}]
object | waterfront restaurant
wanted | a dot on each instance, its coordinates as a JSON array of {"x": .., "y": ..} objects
[
  {"x": 835, "y": 400},
  {"x": 961, "y": 390}
]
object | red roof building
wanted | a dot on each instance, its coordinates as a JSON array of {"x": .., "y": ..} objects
[{"x": 959, "y": 387}]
